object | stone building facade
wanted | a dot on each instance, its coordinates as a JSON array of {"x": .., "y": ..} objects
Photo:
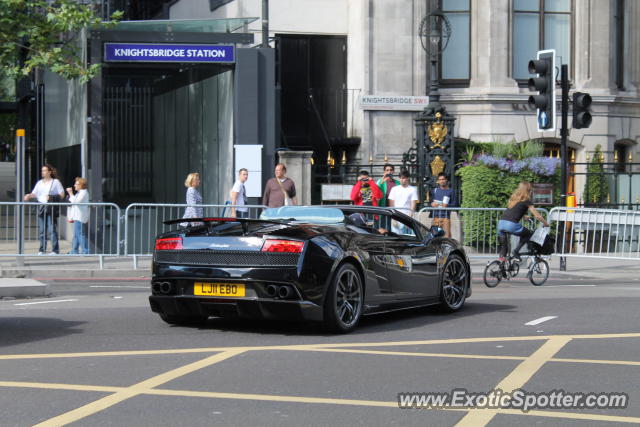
[{"x": 483, "y": 68}]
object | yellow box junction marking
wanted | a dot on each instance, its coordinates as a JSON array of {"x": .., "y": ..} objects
[{"x": 516, "y": 379}]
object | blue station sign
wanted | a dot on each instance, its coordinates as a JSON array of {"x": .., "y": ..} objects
[{"x": 154, "y": 52}]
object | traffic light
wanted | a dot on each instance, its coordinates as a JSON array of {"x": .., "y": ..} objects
[
  {"x": 581, "y": 113},
  {"x": 545, "y": 85}
]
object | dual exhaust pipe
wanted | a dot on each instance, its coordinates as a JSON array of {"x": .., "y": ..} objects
[
  {"x": 165, "y": 288},
  {"x": 282, "y": 292}
]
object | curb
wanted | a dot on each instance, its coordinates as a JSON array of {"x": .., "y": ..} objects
[{"x": 49, "y": 274}]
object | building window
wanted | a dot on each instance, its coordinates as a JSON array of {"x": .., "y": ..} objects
[
  {"x": 539, "y": 25},
  {"x": 455, "y": 64},
  {"x": 620, "y": 158}
]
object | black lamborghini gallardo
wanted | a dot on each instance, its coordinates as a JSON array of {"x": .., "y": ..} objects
[{"x": 327, "y": 264}]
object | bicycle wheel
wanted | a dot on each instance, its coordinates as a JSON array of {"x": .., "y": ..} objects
[
  {"x": 492, "y": 274},
  {"x": 538, "y": 272}
]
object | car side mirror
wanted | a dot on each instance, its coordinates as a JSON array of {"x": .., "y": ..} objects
[{"x": 436, "y": 231}]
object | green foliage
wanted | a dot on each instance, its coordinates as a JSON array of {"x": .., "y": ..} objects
[
  {"x": 596, "y": 188},
  {"x": 8, "y": 124},
  {"x": 528, "y": 149},
  {"x": 47, "y": 31},
  {"x": 465, "y": 150},
  {"x": 501, "y": 150},
  {"x": 485, "y": 187}
]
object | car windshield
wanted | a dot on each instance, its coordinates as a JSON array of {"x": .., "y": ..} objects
[{"x": 305, "y": 214}]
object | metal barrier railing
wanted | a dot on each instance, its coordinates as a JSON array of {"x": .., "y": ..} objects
[
  {"x": 596, "y": 233},
  {"x": 144, "y": 221},
  {"x": 475, "y": 228},
  {"x": 30, "y": 229},
  {"x": 579, "y": 232}
]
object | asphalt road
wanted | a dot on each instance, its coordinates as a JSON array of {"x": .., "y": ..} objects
[{"x": 94, "y": 354}]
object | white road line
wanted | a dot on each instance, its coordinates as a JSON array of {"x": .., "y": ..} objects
[
  {"x": 566, "y": 286},
  {"x": 540, "y": 320},
  {"x": 46, "y": 302},
  {"x": 115, "y": 286}
]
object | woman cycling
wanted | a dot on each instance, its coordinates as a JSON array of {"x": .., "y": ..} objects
[{"x": 519, "y": 204}]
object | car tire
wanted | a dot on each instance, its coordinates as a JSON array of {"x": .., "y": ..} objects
[
  {"x": 183, "y": 320},
  {"x": 344, "y": 300},
  {"x": 454, "y": 282}
]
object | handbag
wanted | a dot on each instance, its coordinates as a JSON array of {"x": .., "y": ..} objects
[
  {"x": 288, "y": 201},
  {"x": 539, "y": 235},
  {"x": 44, "y": 210}
]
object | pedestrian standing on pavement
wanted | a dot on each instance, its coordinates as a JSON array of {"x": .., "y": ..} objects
[
  {"x": 79, "y": 216},
  {"x": 47, "y": 190},
  {"x": 239, "y": 195},
  {"x": 386, "y": 183},
  {"x": 442, "y": 196},
  {"x": 193, "y": 199},
  {"x": 365, "y": 192},
  {"x": 403, "y": 197},
  {"x": 280, "y": 190}
]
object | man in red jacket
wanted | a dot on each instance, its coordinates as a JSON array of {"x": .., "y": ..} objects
[{"x": 365, "y": 191}]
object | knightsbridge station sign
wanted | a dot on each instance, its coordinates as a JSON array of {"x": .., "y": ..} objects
[{"x": 152, "y": 52}]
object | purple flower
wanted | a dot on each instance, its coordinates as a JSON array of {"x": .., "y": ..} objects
[{"x": 543, "y": 166}]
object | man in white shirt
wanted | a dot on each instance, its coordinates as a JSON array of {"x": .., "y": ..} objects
[
  {"x": 239, "y": 195},
  {"x": 403, "y": 197}
]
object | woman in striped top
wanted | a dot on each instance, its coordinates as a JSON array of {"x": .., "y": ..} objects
[{"x": 193, "y": 199}]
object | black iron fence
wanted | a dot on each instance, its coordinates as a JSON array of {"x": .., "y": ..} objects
[
  {"x": 609, "y": 185},
  {"x": 334, "y": 171}
]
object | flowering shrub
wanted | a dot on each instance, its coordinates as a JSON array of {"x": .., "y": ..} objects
[
  {"x": 541, "y": 166},
  {"x": 488, "y": 181}
]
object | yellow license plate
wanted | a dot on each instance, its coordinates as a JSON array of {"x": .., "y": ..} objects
[{"x": 218, "y": 289}]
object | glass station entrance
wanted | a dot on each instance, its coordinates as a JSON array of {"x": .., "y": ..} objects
[{"x": 161, "y": 122}]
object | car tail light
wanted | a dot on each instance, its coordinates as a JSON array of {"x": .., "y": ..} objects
[
  {"x": 290, "y": 246},
  {"x": 169, "y": 244}
]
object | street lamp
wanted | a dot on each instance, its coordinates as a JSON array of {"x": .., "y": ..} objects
[{"x": 434, "y": 32}]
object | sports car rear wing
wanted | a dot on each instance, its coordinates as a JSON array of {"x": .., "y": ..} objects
[{"x": 221, "y": 220}]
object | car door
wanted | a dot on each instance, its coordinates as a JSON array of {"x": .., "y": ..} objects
[
  {"x": 371, "y": 241},
  {"x": 412, "y": 262}
]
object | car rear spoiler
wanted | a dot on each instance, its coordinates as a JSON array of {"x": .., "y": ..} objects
[{"x": 220, "y": 220}]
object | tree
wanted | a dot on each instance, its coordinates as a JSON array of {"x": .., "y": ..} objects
[
  {"x": 46, "y": 33},
  {"x": 596, "y": 188}
]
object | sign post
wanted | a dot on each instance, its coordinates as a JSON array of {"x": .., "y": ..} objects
[{"x": 20, "y": 191}]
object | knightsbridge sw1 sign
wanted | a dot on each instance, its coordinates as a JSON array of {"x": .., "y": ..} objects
[
  {"x": 152, "y": 52},
  {"x": 393, "y": 102}
]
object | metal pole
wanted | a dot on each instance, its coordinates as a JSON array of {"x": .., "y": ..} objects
[
  {"x": 564, "y": 134},
  {"x": 20, "y": 191},
  {"x": 265, "y": 23},
  {"x": 564, "y": 130}
]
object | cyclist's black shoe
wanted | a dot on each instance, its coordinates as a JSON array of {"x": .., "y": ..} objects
[{"x": 517, "y": 257}]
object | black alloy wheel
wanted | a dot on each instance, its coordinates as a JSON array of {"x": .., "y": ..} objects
[
  {"x": 493, "y": 274},
  {"x": 344, "y": 301},
  {"x": 455, "y": 279}
]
